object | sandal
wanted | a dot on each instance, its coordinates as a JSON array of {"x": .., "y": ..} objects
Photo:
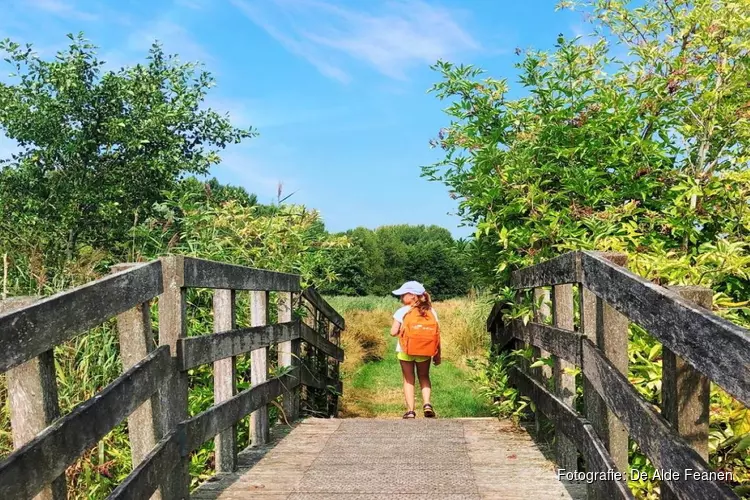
[
  {"x": 428, "y": 411},
  {"x": 410, "y": 414}
]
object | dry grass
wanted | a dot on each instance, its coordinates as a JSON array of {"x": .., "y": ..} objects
[
  {"x": 363, "y": 340},
  {"x": 462, "y": 328}
]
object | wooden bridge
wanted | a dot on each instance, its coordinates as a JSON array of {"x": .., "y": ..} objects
[{"x": 365, "y": 458}]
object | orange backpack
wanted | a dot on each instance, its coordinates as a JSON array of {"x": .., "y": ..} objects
[{"x": 420, "y": 334}]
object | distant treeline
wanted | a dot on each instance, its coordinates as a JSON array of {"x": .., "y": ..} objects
[{"x": 378, "y": 261}]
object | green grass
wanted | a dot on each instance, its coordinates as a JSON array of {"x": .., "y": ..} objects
[{"x": 376, "y": 390}]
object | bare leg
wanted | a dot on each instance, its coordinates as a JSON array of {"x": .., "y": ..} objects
[
  {"x": 423, "y": 372},
  {"x": 407, "y": 369}
]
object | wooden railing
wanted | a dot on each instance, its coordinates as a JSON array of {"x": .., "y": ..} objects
[
  {"x": 152, "y": 393},
  {"x": 698, "y": 347}
]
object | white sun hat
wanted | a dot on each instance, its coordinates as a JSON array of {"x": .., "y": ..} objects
[{"x": 414, "y": 287}]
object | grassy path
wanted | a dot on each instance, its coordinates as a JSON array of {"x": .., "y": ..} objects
[{"x": 375, "y": 390}]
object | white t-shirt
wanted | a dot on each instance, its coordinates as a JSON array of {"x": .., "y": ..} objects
[{"x": 399, "y": 316}]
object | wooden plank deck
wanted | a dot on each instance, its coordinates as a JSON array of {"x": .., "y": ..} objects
[{"x": 475, "y": 458}]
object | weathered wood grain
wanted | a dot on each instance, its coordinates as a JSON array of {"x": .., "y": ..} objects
[
  {"x": 288, "y": 353},
  {"x": 578, "y": 430},
  {"x": 607, "y": 329},
  {"x": 195, "y": 351},
  {"x": 563, "y": 343},
  {"x": 686, "y": 392},
  {"x": 225, "y": 379},
  {"x": 324, "y": 307},
  {"x": 137, "y": 338},
  {"x": 309, "y": 335},
  {"x": 25, "y": 472},
  {"x": 557, "y": 271},
  {"x": 564, "y": 380},
  {"x": 154, "y": 469},
  {"x": 716, "y": 347},
  {"x": 32, "y": 394},
  {"x": 207, "y": 424},
  {"x": 259, "y": 316},
  {"x": 200, "y": 273},
  {"x": 32, "y": 330},
  {"x": 658, "y": 441},
  {"x": 173, "y": 397}
]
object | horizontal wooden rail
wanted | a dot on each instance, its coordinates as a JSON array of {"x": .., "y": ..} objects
[
  {"x": 321, "y": 305},
  {"x": 714, "y": 346},
  {"x": 154, "y": 469},
  {"x": 26, "y": 471},
  {"x": 560, "y": 270},
  {"x": 195, "y": 351},
  {"x": 666, "y": 449},
  {"x": 26, "y": 333},
  {"x": 563, "y": 343},
  {"x": 209, "y": 423},
  {"x": 200, "y": 273},
  {"x": 576, "y": 428},
  {"x": 313, "y": 338}
]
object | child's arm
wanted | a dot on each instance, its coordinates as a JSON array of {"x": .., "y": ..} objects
[{"x": 395, "y": 328}]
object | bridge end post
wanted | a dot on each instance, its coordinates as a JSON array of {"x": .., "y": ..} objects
[
  {"x": 686, "y": 392},
  {"x": 32, "y": 393},
  {"x": 565, "y": 382},
  {"x": 542, "y": 373},
  {"x": 174, "y": 395},
  {"x": 136, "y": 342},
  {"x": 608, "y": 329}
]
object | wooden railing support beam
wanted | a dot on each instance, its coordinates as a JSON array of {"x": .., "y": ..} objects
[
  {"x": 136, "y": 342},
  {"x": 259, "y": 429},
  {"x": 174, "y": 396},
  {"x": 686, "y": 392},
  {"x": 565, "y": 381},
  {"x": 32, "y": 390},
  {"x": 608, "y": 329},
  {"x": 225, "y": 381},
  {"x": 288, "y": 356}
]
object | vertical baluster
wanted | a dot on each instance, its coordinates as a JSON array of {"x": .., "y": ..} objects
[
  {"x": 565, "y": 382},
  {"x": 288, "y": 355},
  {"x": 259, "y": 367},
  {"x": 225, "y": 380},
  {"x": 686, "y": 392},
  {"x": 173, "y": 398},
  {"x": 608, "y": 329},
  {"x": 32, "y": 393}
]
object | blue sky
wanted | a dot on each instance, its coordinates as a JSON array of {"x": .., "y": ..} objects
[{"x": 337, "y": 89}]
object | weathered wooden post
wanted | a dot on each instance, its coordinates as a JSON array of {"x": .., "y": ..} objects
[
  {"x": 288, "y": 353},
  {"x": 174, "y": 397},
  {"x": 225, "y": 380},
  {"x": 541, "y": 314},
  {"x": 136, "y": 342},
  {"x": 259, "y": 429},
  {"x": 686, "y": 392},
  {"x": 32, "y": 391},
  {"x": 336, "y": 375},
  {"x": 565, "y": 382},
  {"x": 608, "y": 329}
]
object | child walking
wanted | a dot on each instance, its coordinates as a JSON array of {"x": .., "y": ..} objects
[{"x": 416, "y": 326}]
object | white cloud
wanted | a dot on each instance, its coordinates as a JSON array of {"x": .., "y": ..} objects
[
  {"x": 402, "y": 35},
  {"x": 61, "y": 9}
]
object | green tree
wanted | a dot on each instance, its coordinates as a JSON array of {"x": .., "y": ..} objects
[
  {"x": 98, "y": 148},
  {"x": 646, "y": 154}
]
